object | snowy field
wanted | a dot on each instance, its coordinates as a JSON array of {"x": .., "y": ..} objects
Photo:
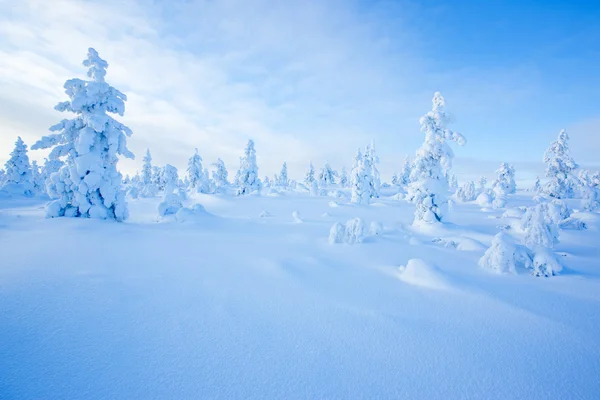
[{"x": 249, "y": 301}]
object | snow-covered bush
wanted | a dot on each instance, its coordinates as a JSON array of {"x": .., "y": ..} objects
[
  {"x": 501, "y": 256},
  {"x": 485, "y": 199},
  {"x": 429, "y": 187},
  {"x": 375, "y": 228},
  {"x": 559, "y": 166},
  {"x": 505, "y": 182},
  {"x": 89, "y": 185},
  {"x": 481, "y": 184},
  {"x": 170, "y": 204},
  {"x": 219, "y": 175},
  {"x": 246, "y": 179},
  {"x": 194, "y": 213},
  {"x": 361, "y": 180},
  {"x": 467, "y": 192},
  {"x": 18, "y": 178},
  {"x": 351, "y": 233}
]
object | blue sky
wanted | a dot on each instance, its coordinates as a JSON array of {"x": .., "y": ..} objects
[{"x": 314, "y": 79}]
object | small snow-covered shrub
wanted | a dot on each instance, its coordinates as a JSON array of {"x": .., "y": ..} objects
[
  {"x": 337, "y": 233},
  {"x": 467, "y": 192},
  {"x": 376, "y": 228},
  {"x": 352, "y": 232},
  {"x": 484, "y": 200},
  {"x": 545, "y": 263},
  {"x": 170, "y": 205},
  {"x": 194, "y": 213},
  {"x": 501, "y": 257}
]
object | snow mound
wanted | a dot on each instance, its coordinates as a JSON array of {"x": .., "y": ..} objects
[
  {"x": 333, "y": 204},
  {"x": 265, "y": 214},
  {"x": 194, "y": 213},
  {"x": 420, "y": 273},
  {"x": 296, "y": 217}
]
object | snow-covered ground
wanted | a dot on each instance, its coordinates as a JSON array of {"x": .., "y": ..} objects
[{"x": 251, "y": 301}]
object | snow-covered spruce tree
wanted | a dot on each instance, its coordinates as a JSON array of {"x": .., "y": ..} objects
[
  {"x": 89, "y": 185},
  {"x": 309, "y": 178},
  {"x": 589, "y": 191},
  {"x": 505, "y": 182},
  {"x": 467, "y": 192},
  {"x": 198, "y": 180},
  {"x": 220, "y": 174},
  {"x": 541, "y": 235},
  {"x": 405, "y": 172},
  {"x": 559, "y": 166},
  {"x": 429, "y": 187},
  {"x": 344, "y": 181},
  {"x": 148, "y": 187},
  {"x": 482, "y": 182},
  {"x": 50, "y": 167},
  {"x": 326, "y": 176},
  {"x": 536, "y": 185},
  {"x": 373, "y": 161},
  {"x": 172, "y": 200},
  {"x": 395, "y": 179},
  {"x": 18, "y": 171},
  {"x": 283, "y": 180},
  {"x": 246, "y": 179},
  {"x": 37, "y": 179},
  {"x": 361, "y": 180},
  {"x": 2, "y": 177}
]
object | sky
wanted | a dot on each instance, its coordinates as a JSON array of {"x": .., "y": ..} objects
[{"x": 314, "y": 79}]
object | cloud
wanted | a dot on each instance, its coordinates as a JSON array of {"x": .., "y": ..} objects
[{"x": 304, "y": 79}]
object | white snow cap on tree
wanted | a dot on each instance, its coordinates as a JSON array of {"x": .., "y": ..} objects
[
  {"x": 197, "y": 178},
  {"x": 429, "y": 187},
  {"x": 18, "y": 170},
  {"x": 247, "y": 179},
  {"x": 327, "y": 175},
  {"x": 219, "y": 175},
  {"x": 505, "y": 182},
  {"x": 282, "y": 179},
  {"x": 89, "y": 185},
  {"x": 559, "y": 166},
  {"x": 361, "y": 179}
]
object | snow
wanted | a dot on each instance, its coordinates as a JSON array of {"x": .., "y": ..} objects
[{"x": 229, "y": 304}]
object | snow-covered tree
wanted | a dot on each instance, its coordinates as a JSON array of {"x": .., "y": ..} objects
[
  {"x": 148, "y": 186},
  {"x": 375, "y": 178},
  {"x": 309, "y": 178},
  {"x": 467, "y": 192},
  {"x": 197, "y": 178},
  {"x": 37, "y": 178},
  {"x": 326, "y": 176},
  {"x": 405, "y": 172},
  {"x": 344, "y": 181},
  {"x": 395, "y": 179},
  {"x": 482, "y": 182},
  {"x": 589, "y": 190},
  {"x": 170, "y": 177},
  {"x": 454, "y": 182},
  {"x": 505, "y": 182},
  {"x": 247, "y": 179},
  {"x": 2, "y": 177},
  {"x": 18, "y": 170},
  {"x": 559, "y": 167},
  {"x": 501, "y": 256},
  {"x": 283, "y": 180},
  {"x": 429, "y": 187},
  {"x": 361, "y": 180},
  {"x": 536, "y": 185},
  {"x": 541, "y": 235},
  {"x": 89, "y": 185},
  {"x": 219, "y": 175}
]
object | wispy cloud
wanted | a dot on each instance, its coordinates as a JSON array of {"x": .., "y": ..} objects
[{"x": 305, "y": 79}]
